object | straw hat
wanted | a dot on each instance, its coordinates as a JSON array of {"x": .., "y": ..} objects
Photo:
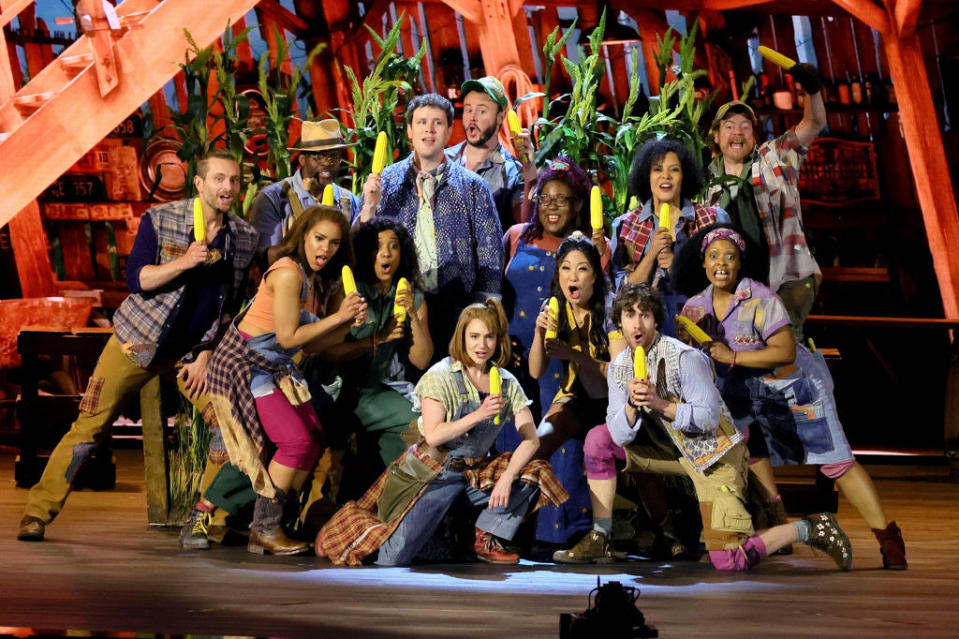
[{"x": 320, "y": 136}]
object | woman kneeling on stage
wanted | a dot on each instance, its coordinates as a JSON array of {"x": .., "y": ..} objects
[{"x": 462, "y": 411}]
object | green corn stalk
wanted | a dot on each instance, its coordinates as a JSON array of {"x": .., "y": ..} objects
[
  {"x": 187, "y": 460},
  {"x": 375, "y": 101}
]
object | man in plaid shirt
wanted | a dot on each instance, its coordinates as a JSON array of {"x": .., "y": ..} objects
[
  {"x": 183, "y": 292},
  {"x": 759, "y": 188}
]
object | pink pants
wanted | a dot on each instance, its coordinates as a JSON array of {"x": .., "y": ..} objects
[
  {"x": 600, "y": 454},
  {"x": 295, "y": 430}
]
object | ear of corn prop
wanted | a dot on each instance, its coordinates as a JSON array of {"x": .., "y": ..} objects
[
  {"x": 379, "y": 153},
  {"x": 199, "y": 223},
  {"x": 399, "y": 311},
  {"x": 553, "y": 306},
  {"x": 666, "y": 218},
  {"x": 327, "y": 199},
  {"x": 349, "y": 284},
  {"x": 777, "y": 58},
  {"x": 495, "y": 386},
  {"x": 515, "y": 128},
  {"x": 694, "y": 331},
  {"x": 596, "y": 208},
  {"x": 639, "y": 363}
]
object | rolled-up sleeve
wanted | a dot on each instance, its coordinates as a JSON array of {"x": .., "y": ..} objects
[
  {"x": 621, "y": 430},
  {"x": 700, "y": 412}
]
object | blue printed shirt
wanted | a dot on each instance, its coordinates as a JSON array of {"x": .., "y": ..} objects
[{"x": 468, "y": 232}]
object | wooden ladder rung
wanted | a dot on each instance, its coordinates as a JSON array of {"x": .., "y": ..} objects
[
  {"x": 33, "y": 100},
  {"x": 80, "y": 61},
  {"x": 133, "y": 20}
]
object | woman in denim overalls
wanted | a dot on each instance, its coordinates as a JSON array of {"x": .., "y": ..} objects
[
  {"x": 460, "y": 420},
  {"x": 778, "y": 391}
]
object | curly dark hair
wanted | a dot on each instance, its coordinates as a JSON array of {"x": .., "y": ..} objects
[
  {"x": 597, "y": 302},
  {"x": 562, "y": 169},
  {"x": 366, "y": 244},
  {"x": 689, "y": 276},
  {"x": 655, "y": 150},
  {"x": 648, "y": 298}
]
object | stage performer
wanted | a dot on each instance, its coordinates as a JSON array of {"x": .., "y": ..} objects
[
  {"x": 777, "y": 390},
  {"x": 257, "y": 390},
  {"x": 663, "y": 172},
  {"x": 581, "y": 344},
  {"x": 673, "y": 421},
  {"x": 183, "y": 293},
  {"x": 375, "y": 354},
  {"x": 759, "y": 188},
  {"x": 509, "y": 179},
  {"x": 322, "y": 151},
  {"x": 461, "y": 414},
  {"x": 448, "y": 211}
]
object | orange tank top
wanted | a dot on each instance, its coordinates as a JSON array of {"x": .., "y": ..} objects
[{"x": 260, "y": 313}]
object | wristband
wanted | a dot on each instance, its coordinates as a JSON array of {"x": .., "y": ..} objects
[{"x": 733, "y": 363}]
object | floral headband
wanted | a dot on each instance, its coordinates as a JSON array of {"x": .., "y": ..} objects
[{"x": 723, "y": 234}]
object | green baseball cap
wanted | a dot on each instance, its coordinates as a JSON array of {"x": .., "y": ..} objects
[
  {"x": 732, "y": 107},
  {"x": 490, "y": 86}
]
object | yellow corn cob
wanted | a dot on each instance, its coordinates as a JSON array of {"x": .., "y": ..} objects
[
  {"x": 694, "y": 331},
  {"x": 379, "y": 153},
  {"x": 553, "y": 306},
  {"x": 495, "y": 386},
  {"x": 777, "y": 58},
  {"x": 513, "y": 120},
  {"x": 199, "y": 223},
  {"x": 665, "y": 219},
  {"x": 349, "y": 284},
  {"x": 327, "y": 199},
  {"x": 399, "y": 311},
  {"x": 596, "y": 208},
  {"x": 639, "y": 363}
]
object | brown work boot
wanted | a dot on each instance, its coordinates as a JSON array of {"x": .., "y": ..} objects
[
  {"x": 892, "y": 547},
  {"x": 593, "y": 548},
  {"x": 489, "y": 549},
  {"x": 826, "y": 535},
  {"x": 32, "y": 529},
  {"x": 266, "y": 533}
]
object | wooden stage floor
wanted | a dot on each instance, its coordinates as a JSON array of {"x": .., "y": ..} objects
[{"x": 103, "y": 569}]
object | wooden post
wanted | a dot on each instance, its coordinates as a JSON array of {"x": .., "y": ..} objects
[
  {"x": 927, "y": 157},
  {"x": 30, "y": 250},
  {"x": 494, "y": 23},
  {"x": 155, "y": 465}
]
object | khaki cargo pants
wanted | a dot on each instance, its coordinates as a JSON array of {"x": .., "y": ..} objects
[
  {"x": 720, "y": 489},
  {"x": 115, "y": 381}
]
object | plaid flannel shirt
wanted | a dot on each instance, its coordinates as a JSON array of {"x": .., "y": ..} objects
[
  {"x": 775, "y": 176},
  {"x": 143, "y": 320},
  {"x": 356, "y": 531}
]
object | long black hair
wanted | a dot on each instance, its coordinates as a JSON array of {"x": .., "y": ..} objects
[
  {"x": 689, "y": 276},
  {"x": 366, "y": 245},
  {"x": 597, "y": 302}
]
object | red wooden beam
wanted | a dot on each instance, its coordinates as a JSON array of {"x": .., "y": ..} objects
[
  {"x": 283, "y": 17},
  {"x": 11, "y": 9},
  {"x": 867, "y": 12},
  {"x": 906, "y": 14},
  {"x": 927, "y": 157}
]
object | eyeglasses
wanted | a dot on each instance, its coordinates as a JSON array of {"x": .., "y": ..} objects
[
  {"x": 325, "y": 157},
  {"x": 547, "y": 201}
]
